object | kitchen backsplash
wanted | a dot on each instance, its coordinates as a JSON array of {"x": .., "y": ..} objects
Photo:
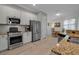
[{"x": 5, "y": 28}]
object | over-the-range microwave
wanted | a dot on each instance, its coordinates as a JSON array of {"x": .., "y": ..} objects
[{"x": 13, "y": 20}]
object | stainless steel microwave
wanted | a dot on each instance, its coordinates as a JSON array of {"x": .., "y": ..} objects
[{"x": 13, "y": 20}]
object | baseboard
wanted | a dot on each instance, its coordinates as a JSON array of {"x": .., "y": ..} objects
[{"x": 26, "y": 43}]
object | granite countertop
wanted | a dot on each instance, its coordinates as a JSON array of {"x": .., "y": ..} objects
[
  {"x": 74, "y": 35},
  {"x": 66, "y": 48},
  {"x": 3, "y": 33},
  {"x": 71, "y": 35}
]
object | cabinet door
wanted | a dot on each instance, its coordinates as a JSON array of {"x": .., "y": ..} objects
[
  {"x": 24, "y": 18},
  {"x": 11, "y": 12},
  {"x": 2, "y": 15},
  {"x": 4, "y": 42},
  {"x": 25, "y": 37},
  {"x": 0, "y": 44},
  {"x": 6, "y": 11},
  {"x": 28, "y": 20},
  {"x": 29, "y": 35}
]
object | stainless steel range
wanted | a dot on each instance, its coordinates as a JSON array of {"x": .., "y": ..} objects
[{"x": 14, "y": 38}]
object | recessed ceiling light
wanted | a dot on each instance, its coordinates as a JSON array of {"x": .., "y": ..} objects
[
  {"x": 58, "y": 14},
  {"x": 34, "y": 4}
]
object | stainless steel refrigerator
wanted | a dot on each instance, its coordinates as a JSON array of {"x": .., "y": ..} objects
[{"x": 36, "y": 30}]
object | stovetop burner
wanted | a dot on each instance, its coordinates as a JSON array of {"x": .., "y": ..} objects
[
  {"x": 13, "y": 29},
  {"x": 15, "y": 32}
]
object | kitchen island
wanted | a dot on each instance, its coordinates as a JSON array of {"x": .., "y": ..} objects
[{"x": 66, "y": 48}]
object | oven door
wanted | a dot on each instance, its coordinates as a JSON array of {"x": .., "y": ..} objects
[{"x": 15, "y": 40}]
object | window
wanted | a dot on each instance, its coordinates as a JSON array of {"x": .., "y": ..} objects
[
  {"x": 66, "y": 24},
  {"x": 77, "y": 24},
  {"x": 69, "y": 24}
]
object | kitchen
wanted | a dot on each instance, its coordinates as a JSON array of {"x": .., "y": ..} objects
[
  {"x": 16, "y": 26},
  {"x": 40, "y": 29}
]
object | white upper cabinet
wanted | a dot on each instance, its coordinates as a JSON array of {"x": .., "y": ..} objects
[
  {"x": 24, "y": 18},
  {"x": 12, "y": 12},
  {"x": 6, "y": 11},
  {"x": 2, "y": 15}
]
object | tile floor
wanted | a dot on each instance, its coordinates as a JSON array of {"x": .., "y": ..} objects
[{"x": 41, "y": 47}]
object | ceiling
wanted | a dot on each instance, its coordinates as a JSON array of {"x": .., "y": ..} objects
[{"x": 66, "y": 10}]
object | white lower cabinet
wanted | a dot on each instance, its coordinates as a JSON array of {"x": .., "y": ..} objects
[
  {"x": 24, "y": 18},
  {"x": 0, "y": 44},
  {"x": 27, "y": 37},
  {"x": 29, "y": 34},
  {"x": 3, "y": 42},
  {"x": 24, "y": 37}
]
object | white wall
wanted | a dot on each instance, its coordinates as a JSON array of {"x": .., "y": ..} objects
[
  {"x": 61, "y": 25},
  {"x": 5, "y": 28},
  {"x": 54, "y": 21}
]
